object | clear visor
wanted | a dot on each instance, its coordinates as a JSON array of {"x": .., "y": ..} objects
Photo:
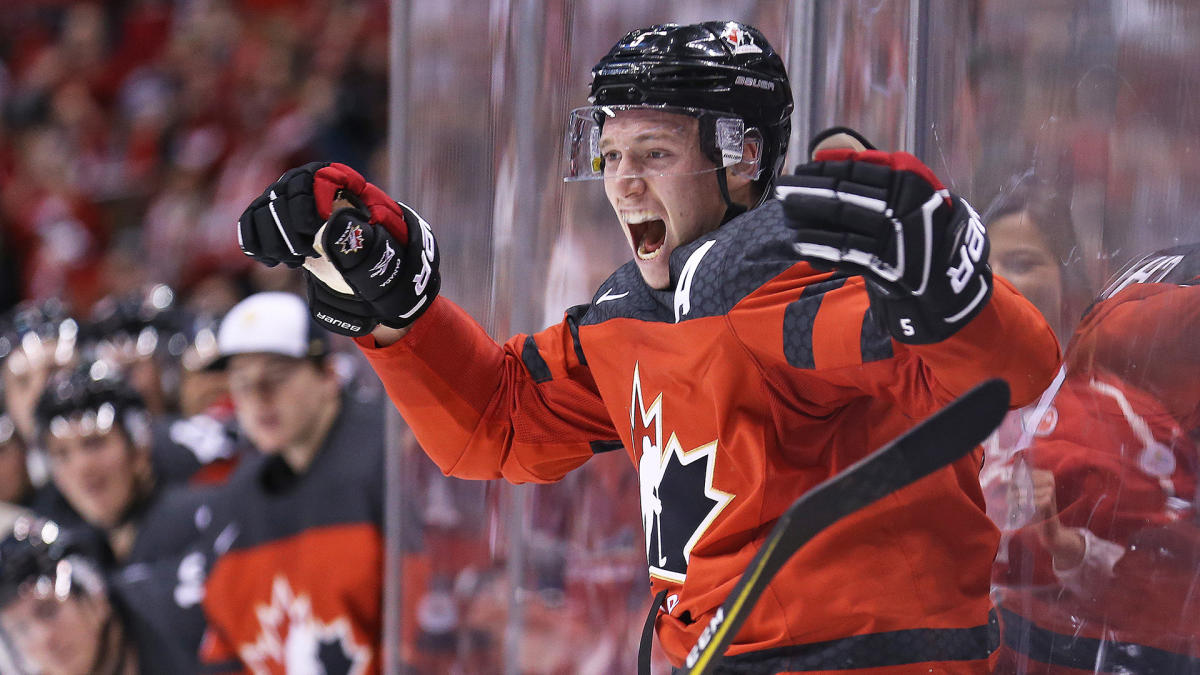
[{"x": 637, "y": 141}]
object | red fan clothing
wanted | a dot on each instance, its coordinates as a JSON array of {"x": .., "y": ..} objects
[
  {"x": 752, "y": 380},
  {"x": 1124, "y": 458}
]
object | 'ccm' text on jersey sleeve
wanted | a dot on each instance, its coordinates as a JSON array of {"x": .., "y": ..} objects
[{"x": 750, "y": 381}]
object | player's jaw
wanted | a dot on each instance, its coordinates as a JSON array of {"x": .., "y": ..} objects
[
  {"x": 267, "y": 429},
  {"x": 102, "y": 500},
  {"x": 654, "y": 227},
  {"x": 648, "y": 235}
]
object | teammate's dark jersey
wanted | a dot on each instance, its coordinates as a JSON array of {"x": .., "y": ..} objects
[
  {"x": 302, "y": 579},
  {"x": 185, "y": 447},
  {"x": 160, "y": 596},
  {"x": 48, "y": 502},
  {"x": 160, "y": 584},
  {"x": 749, "y": 382},
  {"x": 157, "y": 588}
]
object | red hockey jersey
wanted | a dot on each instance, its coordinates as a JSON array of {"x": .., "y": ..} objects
[{"x": 754, "y": 378}]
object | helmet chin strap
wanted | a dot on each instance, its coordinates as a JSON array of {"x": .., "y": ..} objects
[{"x": 732, "y": 210}]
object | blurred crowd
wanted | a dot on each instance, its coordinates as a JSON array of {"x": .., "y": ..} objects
[{"x": 134, "y": 132}]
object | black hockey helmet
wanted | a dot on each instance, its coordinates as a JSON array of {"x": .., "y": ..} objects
[
  {"x": 44, "y": 566},
  {"x": 35, "y": 327},
  {"x": 95, "y": 398},
  {"x": 39, "y": 556},
  {"x": 723, "y": 66},
  {"x": 144, "y": 323}
]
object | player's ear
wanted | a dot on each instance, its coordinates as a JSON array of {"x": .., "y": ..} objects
[{"x": 747, "y": 170}]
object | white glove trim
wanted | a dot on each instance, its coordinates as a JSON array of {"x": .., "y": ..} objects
[
  {"x": 278, "y": 225},
  {"x": 324, "y": 270}
]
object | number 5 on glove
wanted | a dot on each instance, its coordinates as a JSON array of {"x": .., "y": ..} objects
[{"x": 922, "y": 250}]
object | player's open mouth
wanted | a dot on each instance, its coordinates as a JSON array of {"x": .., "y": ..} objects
[{"x": 648, "y": 234}]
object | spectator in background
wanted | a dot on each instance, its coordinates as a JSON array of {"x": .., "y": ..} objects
[
  {"x": 307, "y": 561},
  {"x": 137, "y": 125},
  {"x": 1101, "y": 568},
  {"x": 1034, "y": 246}
]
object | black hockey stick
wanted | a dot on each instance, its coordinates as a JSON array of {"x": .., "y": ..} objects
[{"x": 947, "y": 435}]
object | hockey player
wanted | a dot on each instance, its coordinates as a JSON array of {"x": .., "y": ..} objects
[
  {"x": 36, "y": 340},
  {"x": 62, "y": 614},
  {"x": 55, "y": 613},
  {"x": 300, "y": 587},
  {"x": 145, "y": 334},
  {"x": 96, "y": 434},
  {"x": 1102, "y": 575},
  {"x": 758, "y": 343}
]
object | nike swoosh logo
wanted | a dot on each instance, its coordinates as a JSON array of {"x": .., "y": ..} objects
[{"x": 608, "y": 295}]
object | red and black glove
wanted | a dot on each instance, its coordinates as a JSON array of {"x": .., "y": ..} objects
[
  {"x": 376, "y": 262},
  {"x": 922, "y": 250}
]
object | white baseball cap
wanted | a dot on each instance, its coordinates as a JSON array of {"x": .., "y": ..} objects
[{"x": 270, "y": 323}]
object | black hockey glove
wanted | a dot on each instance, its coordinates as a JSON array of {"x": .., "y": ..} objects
[
  {"x": 885, "y": 216},
  {"x": 396, "y": 281},
  {"x": 293, "y": 222}
]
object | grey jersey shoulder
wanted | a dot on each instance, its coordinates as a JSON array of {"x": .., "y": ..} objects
[{"x": 709, "y": 276}]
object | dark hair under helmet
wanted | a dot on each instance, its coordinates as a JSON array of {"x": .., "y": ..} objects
[{"x": 724, "y": 66}]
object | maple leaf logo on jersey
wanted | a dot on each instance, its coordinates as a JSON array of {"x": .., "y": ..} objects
[
  {"x": 294, "y": 642},
  {"x": 679, "y": 501}
]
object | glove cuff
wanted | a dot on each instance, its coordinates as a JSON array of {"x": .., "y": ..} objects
[
  {"x": 337, "y": 312},
  {"x": 914, "y": 321}
]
